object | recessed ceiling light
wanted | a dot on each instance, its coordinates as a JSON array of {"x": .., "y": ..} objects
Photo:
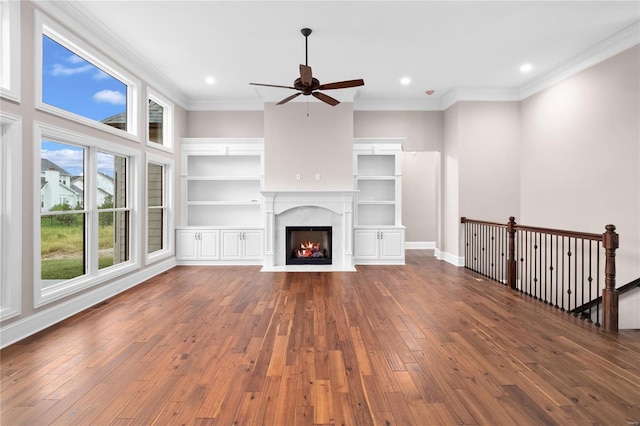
[
  {"x": 210, "y": 80},
  {"x": 405, "y": 80},
  {"x": 526, "y": 67}
]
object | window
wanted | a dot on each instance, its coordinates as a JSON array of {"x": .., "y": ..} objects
[
  {"x": 159, "y": 220},
  {"x": 10, "y": 216},
  {"x": 159, "y": 122},
  {"x": 10, "y": 49},
  {"x": 85, "y": 212},
  {"x": 113, "y": 210},
  {"x": 73, "y": 80}
]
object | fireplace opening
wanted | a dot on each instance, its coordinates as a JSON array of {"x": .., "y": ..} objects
[{"x": 308, "y": 245}]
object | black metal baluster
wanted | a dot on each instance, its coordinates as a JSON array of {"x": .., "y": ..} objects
[
  {"x": 568, "y": 274},
  {"x": 590, "y": 280},
  {"x": 598, "y": 283},
  {"x": 575, "y": 265},
  {"x": 563, "y": 256},
  {"x": 582, "y": 267}
]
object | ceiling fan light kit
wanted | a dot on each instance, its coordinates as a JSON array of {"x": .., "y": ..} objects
[{"x": 307, "y": 85}]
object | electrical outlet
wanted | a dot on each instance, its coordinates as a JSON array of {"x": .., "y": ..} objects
[
  {"x": 317, "y": 176},
  {"x": 297, "y": 176}
]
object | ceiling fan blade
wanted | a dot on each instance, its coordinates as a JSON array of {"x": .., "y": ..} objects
[
  {"x": 273, "y": 85},
  {"x": 285, "y": 100},
  {"x": 325, "y": 98},
  {"x": 342, "y": 84},
  {"x": 305, "y": 75}
]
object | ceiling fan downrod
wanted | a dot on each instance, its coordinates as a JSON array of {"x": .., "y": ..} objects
[{"x": 305, "y": 32}]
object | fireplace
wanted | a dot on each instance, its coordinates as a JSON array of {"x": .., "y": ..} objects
[
  {"x": 314, "y": 209},
  {"x": 308, "y": 245}
]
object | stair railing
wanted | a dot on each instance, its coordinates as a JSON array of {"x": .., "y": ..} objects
[{"x": 561, "y": 268}]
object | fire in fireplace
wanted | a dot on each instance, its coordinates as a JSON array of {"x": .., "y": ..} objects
[{"x": 308, "y": 245}]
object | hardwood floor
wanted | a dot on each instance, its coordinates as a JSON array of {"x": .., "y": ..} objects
[{"x": 423, "y": 344}]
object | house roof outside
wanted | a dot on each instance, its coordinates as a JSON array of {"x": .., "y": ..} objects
[
  {"x": 50, "y": 165},
  {"x": 155, "y": 116}
]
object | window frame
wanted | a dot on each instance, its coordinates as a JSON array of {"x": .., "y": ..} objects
[
  {"x": 46, "y": 26},
  {"x": 11, "y": 226},
  {"x": 168, "y": 201},
  {"x": 10, "y": 84},
  {"x": 167, "y": 121},
  {"x": 93, "y": 275}
]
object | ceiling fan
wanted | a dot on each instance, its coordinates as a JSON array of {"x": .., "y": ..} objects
[{"x": 307, "y": 85}]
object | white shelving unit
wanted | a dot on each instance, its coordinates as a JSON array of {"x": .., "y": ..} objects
[
  {"x": 378, "y": 231},
  {"x": 222, "y": 180}
]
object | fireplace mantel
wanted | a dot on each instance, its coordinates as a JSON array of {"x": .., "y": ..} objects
[{"x": 340, "y": 202}]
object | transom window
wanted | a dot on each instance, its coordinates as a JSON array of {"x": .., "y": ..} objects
[
  {"x": 159, "y": 122},
  {"x": 77, "y": 82},
  {"x": 10, "y": 49}
]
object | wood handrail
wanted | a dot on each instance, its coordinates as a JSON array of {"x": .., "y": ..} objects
[
  {"x": 608, "y": 239},
  {"x": 561, "y": 232},
  {"x": 481, "y": 222}
]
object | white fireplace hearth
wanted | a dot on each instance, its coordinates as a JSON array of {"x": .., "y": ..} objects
[{"x": 308, "y": 208}]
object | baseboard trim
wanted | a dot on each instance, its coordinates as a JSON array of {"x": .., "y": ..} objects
[
  {"x": 32, "y": 324},
  {"x": 420, "y": 245},
  {"x": 450, "y": 258}
]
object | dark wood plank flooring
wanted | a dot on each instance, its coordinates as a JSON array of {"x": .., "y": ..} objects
[{"x": 423, "y": 344}]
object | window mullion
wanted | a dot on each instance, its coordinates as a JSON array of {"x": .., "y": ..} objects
[{"x": 90, "y": 198}]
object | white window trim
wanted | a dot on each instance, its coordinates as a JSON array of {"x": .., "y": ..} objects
[
  {"x": 94, "y": 276},
  {"x": 168, "y": 197},
  {"x": 10, "y": 72},
  {"x": 11, "y": 191},
  {"x": 46, "y": 26},
  {"x": 167, "y": 121}
]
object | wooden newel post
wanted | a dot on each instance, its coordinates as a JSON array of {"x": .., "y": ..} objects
[
  {"x": 610, "y": 294},
  {"x": 511, "y": 258}
]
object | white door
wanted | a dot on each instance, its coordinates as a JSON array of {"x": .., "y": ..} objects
[
  {"x": 391, "y": 244},
  {"x": 186, "y": 245},
  {"x": 252, "y": 245},
  {"x": 231, "y": 245},
  {"x": 209, "y": 245},
  {"x": 366, "y": 243}
]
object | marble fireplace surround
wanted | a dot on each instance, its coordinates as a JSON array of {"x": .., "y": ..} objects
[{"x": 308, "y": 208}]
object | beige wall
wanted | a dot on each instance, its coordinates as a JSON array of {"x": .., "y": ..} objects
[
  {"x": 423, "y": 130},
  {"x": 482, "y": 181},
  {"x": 308, "y": 139},
  {"x": 449, "y": 245},
  {"x": 225, "y": 124}
]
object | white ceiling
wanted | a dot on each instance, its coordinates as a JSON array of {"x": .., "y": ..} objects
[{"x": 449, "y": 47}]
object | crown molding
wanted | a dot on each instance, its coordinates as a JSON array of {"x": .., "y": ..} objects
[
  {"x": 72, "y": 16},
  {"x": 605, "y": 49}
]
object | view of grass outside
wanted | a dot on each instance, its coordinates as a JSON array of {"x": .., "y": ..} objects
[{"x": 62, "y": 246}]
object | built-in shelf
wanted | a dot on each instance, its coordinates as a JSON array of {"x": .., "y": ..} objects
[
  {"x": 379, "y": 234},
  {"x": 222, "y": 180}
]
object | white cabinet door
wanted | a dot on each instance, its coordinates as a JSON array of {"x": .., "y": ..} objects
[
  {"x": 366, "y": 244},
  {"x": 252, "y": 241},
  {"x": 391, "y": 244},
  {"x": 231, "y": 245},
  {"x": 186, "y": 245},
  {"x": 208, "y": 245}
]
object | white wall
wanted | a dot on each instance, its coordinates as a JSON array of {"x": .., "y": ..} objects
[{"x": 308, "y": 139}]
